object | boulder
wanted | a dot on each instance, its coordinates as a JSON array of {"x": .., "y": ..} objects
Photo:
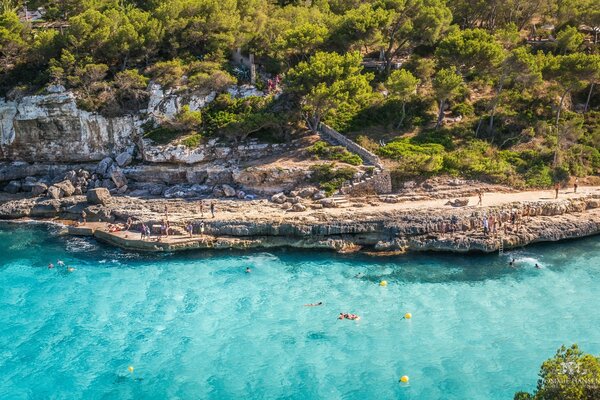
[
  {"x": 98, "y": 196},
  {"x": 298, "y": 207},
  {"x": 178, "y": 191},
  {"x": 307, "y": 192},
  {"x": 78, "y": 191},
  {"x": 457, "y": 202},
  {"x": 71, "y": 176},
  {"x": 320, "y": 195},
  {"x": 54, "y": 192},
  {"x": 279, "y": 198},
  {"x": 82, "y": 173},
  {"x": 155, "y": 189},
  {"x": 286, "y": 206},
  {"x": 124, "y": 159},
  {"x": 104, "y": 165},
  {"x": 328, "y": 203},
  {"x": 228, "y": 191},
  {"x": 66, "y": 187},
  {"x": 118, "y": 177},
  {"x": 295, "y": 200},
  {"x": 218, "y": 192},
  {"x": 13, "y": 187},
  {"x": 38, "y": 188}
]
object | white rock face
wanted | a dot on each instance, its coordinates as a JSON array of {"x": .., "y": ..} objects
[
  {"x": 52, "y": 128},
  {"x": 166, "y": 103}
]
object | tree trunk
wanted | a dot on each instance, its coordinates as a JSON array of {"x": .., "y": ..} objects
[
  {"x": 589, "y": 97},
  {"x": 441, "y": 114},
  {"x": 478, "y": 127},
  {"x": 403, "y": 116},
  {"x": 557, "y": 149}
]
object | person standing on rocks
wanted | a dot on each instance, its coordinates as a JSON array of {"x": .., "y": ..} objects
[
  {"x": 190, "y": 229},
  {"x": 201, "y": 209},
  {"x": 575, "y": 185},
  {"x": 83, "y": 217},
  {"x": 556, "y": 188},
  {"x": 212, "y": 208},
  {"x": 480, "y": 194}
]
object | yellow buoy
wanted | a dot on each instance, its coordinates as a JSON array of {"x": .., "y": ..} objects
[
  {"x": 404, "y": 379},
  {"x": 383, "y": 283},
  {"x": 408, "y": 315},
  {"x": 130, "y": 368}
]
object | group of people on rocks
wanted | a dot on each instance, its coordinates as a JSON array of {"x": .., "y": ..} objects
[{"x": 165, "y": 228}]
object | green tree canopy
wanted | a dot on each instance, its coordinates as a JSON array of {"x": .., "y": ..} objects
[
  {"x": 331, "y": 87},
  {"x": 570, "y": 374},
  {"x": 447, "y": 84}
]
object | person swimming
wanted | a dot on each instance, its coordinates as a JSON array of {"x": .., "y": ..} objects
[
  {"x": 70, "y": 269},
  {"x": 537, "y": 266},
  {"x": 60, "y": 263},
  {"x": 248, "y": 270},
  {"x": 314, "y": 304},
  {"x": 348, "y": 316},
  {"x": 50, "y": 266},
  {"x": 512, "y": 263}
]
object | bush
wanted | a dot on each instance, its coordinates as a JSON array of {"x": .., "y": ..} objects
[
  {"x": 464, "y": 109},
  {"x": 192, "y": 141},
  {"x": 414, "y": 159},
  {"x": 330, "y": 178},
  {"x": 539, "y": 176},
  {"x": 324, "y": 151}
]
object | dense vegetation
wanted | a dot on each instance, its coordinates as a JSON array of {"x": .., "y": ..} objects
[
  {"x": 498, "y": 90},
  {"x": 569, "y": 375}
]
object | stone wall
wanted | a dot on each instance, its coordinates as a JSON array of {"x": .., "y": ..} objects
[
  {"x": 331, "y": 135},
  {"x": 379, "y": 183}
]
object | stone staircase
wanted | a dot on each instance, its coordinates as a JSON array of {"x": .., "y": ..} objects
[
  {"x": 340, "y": 201},
  {"x": 376, "y": 181}
]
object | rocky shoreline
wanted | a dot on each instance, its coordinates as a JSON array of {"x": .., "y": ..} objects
[{"x": 365, "y": 224}]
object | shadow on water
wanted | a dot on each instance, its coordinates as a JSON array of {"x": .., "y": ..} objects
[{"x": 26, "y": 241}]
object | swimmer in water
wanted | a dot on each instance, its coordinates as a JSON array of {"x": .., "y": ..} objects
[
  {"x": 60, "y": 263},
  {"x": 537, "y": 266},
  {"x": 70, "y": 269},
  {"x": 359, "y": 275},
  {"x": 50, "y": 266},
  {"x": 512, "y": 263},
  {"x": 314, "y": 304},
  {"x": 248, "y": 270},
  {"x": 352, "y": 317}
]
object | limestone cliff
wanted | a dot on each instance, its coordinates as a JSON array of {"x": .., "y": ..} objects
[{"x": 52, "y": 128}]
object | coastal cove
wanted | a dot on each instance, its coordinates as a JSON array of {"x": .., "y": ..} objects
[
  {"x": 480, "y": 328},
  {"x": 369, "y": 224}
]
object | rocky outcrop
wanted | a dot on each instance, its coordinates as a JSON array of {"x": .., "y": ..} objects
[
  {"x": 98, "y": 196},
  {"x": 440, "y": 229},
  {"x": 51, "y": 127}
]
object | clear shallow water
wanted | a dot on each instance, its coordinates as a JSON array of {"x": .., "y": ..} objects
[{"x": 194, "y": 325}]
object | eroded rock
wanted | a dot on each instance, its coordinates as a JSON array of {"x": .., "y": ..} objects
[{"x": 98, "y": 196}]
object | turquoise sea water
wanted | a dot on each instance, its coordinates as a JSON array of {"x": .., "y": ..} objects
[{"x": 195, "y": 326}]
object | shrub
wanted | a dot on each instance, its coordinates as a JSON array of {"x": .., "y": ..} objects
[
  {"x": 330, "y": 178},
  {"x": 414, "y": 159},
  {"x": 192, "y": 141},
  {"x": 324, "y": 151}
]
